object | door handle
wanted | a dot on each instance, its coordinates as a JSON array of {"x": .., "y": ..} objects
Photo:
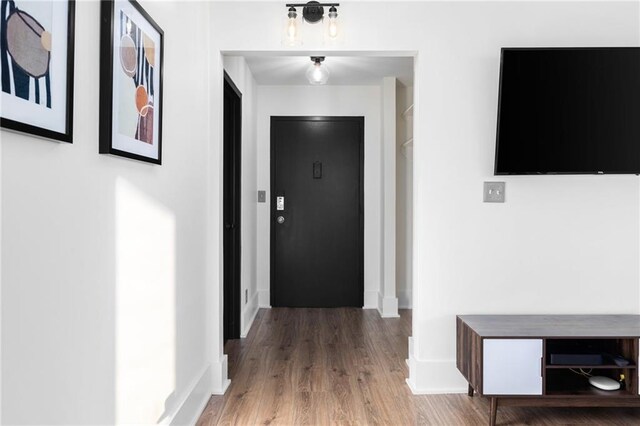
[{"x": 280, "y": 220}]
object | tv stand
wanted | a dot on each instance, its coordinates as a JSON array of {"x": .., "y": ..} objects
[{"x": 507, "y": 358}]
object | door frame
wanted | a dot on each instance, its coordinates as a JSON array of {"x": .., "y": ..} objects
[
  {"x": 232, "y": 283},
  {"x": 273, "y": 211},
  {"x": 217, "y": 358}
]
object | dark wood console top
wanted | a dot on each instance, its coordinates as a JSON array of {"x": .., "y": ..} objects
[{"x": 568, "y": 326}]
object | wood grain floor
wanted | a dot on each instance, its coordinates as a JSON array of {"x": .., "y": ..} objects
[{"x": 347, "y": 366}]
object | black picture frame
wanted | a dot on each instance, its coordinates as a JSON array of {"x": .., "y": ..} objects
[
  {"x": 43, "y": 114},
  {"x": 127, "y": 19}
]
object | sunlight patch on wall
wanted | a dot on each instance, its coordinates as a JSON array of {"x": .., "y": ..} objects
[{"x": 145, "y": 305}]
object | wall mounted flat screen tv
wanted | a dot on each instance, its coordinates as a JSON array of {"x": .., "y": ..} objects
[{"x": 569, "y": 111}]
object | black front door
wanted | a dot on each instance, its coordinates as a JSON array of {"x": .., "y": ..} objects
[
  {"x": 232, "y": 144},
  {"x": 317, "y": 205}
]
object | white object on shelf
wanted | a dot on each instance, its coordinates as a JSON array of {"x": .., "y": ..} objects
[
  {"x": 512, "y": 367},
  {"x": 604, "y": 383}
]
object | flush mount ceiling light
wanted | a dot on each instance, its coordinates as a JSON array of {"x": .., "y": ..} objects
[
  {"x": 312, "y": 13},
  {"x": 317, "y": 74}
]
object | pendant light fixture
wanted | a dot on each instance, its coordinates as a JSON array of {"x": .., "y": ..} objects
[
  {"x": 312, "y": 13},
  {"x": 317, "y": 74}
]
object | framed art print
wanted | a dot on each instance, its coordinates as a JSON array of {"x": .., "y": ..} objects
[
  {"x": 131, "y": 59},
  {"x": 36, "y": 67}
]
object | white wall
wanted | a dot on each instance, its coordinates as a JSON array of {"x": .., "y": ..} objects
[
  {"x": 557, "y": 240},
  {"x": 553, "y": 245},
  {"x": 404, "y": 187},
  {"x": 387, "y": 300},
  {"x": 236, "y": 67},
  {"x": 325, "y": 100},
  {"x": 104, "y": 284}
]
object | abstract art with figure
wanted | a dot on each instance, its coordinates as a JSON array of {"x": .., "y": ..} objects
[
  {"x": 25, "y": 50},
  {"x": 136, "y": 86}
]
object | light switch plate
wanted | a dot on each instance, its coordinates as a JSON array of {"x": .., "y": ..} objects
[
  {"x": 262, "y": 196},
  {"x": 493, "y": 192}
]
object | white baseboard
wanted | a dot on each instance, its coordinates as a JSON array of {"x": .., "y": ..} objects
[
  {"x": 249, "y": 314},
  {"x": 219, "y": 381},
  {"x": 264, "y": 299},
  {"x": 387, "y": 306},
  {"x": 370, "y": 300},
  {"x": 195, "y": 400},
  {"x": 192, "y": 404},
  {"x": 434, "y": 376},
  {"x": 404, "y": 299}
]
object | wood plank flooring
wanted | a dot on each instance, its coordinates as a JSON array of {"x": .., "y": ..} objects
[{"x": 347, "y": 366}]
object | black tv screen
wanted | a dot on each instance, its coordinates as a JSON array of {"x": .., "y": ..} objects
[{"x": 569, "y": 110}]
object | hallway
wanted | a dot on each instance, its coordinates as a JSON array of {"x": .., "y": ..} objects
[{"x": 347, "y": 366}]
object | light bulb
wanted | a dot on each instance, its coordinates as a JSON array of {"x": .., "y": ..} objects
[
  {"x": 292, "y": 29},
  {"x": 333, "y": 28},
  {"x": 317, "y": 74}
]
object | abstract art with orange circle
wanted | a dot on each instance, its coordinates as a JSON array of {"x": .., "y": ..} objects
[
  {"x": 131, "y": 57},
  {"x": 136, "y": 73},
  {"x": 25, "y": 50},
  {"x": 37, "y": 67}
]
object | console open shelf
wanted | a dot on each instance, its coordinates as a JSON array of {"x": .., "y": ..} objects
[{"x": 567, "y": 382}]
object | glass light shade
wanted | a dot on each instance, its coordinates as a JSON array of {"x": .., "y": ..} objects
[
  {"x": 333, "y": 29},
  {"x": 291, "y": 31},
  {"x": 317, "y": 74}
]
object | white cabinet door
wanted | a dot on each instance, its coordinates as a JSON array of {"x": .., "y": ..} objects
[{"x": 512, "y": 367}]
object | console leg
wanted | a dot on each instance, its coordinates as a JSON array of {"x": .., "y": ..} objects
[
  {"x": 470, "y": 392},
  {"x": 493, "y": 411}
]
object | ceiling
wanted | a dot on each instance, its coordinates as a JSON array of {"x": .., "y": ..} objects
[{"x": 345, "y": 70}]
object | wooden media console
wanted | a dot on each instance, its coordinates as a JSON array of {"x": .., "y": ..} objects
[{"x": 508, "y": 358}]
